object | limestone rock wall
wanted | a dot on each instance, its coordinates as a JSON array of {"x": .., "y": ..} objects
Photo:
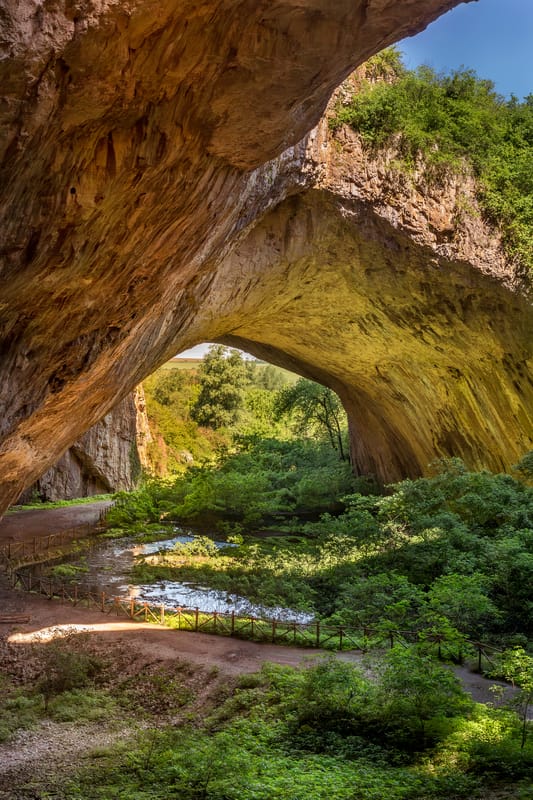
[
  {"x": 389, "y": 287},
  {"x": 107, "y": 458}
]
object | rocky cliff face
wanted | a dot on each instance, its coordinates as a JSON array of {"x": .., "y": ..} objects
[
  {"x": 390, "y": 288},
  {"x": 107, "y": 458},
  {"x": 160, "y": 188}
]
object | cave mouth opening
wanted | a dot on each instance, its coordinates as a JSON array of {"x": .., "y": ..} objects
[{"x": 218, "y": 395}]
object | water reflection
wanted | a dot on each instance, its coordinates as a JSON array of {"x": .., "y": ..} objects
[
  {"x": 109, "y": 565},
  {"x": 187, "y": 595}
]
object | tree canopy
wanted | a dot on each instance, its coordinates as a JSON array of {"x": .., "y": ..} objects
[
  {"x": 314, "y": 408},
  {"x": 223, "y": 377}
]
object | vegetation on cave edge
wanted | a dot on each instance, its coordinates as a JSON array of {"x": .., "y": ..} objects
[{"x": 453, "y": 121}]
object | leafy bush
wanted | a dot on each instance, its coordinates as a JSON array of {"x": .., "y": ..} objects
[
  {"x": 199, "y": 546},
  {"x": 66, "y": 668},
  {"x": 262, "y": 479}
]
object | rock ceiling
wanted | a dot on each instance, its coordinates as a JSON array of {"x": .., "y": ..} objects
[{"x": 160, "y": 187}]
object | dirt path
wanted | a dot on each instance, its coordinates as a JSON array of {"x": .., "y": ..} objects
[
  {"x": 24, "y": 525},
  {"x": 49, "y": 618}
]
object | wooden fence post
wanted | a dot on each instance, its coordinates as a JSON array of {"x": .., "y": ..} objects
[
  {"x": 162, "y": 614},
  {"x": 273, "y": 630},
  {"x": 232, "y": 622},
  {"x": 196, "y": 610},
  {"x": 132, "y": 607},
  {"x": 103, "y": 602},
  {"x": 214, "y": 621}
]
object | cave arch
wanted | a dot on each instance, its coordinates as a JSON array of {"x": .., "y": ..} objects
[
  {"x": 416, "y": 345},
  {"x": 180, "y": 130}
]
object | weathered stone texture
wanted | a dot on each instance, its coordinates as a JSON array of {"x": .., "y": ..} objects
[
  {"x": 389, "y": 286},
  {"x": 107, "y": 458},
  {"x": 142, "y": 141}
]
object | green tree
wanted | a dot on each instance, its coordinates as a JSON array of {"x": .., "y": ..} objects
[
  {"x": 223, "y": 376},
  {"x": 270, "y": 378},
  {"x": 417, "y": 692},
  {"x": 463, "y": 599},
  {"x": 169, "y": 387},
  {"x": 517, "y": 667},
  {"x": 525, "y": 466},
  {"x": 314, "y": 409},
  {"x": 333, "y": 696}
]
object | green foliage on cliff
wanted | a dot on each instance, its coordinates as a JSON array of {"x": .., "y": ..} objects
[{"x": 451, "y": 120}]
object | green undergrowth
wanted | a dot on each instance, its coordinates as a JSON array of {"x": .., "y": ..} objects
[
  {"x": 63, "y": 685},
  {"x": 321, "y": 732},
  {"x": 453, "y": 121},
  {"x": 96, "y": 498},
  {"x": 262, "y": 480},
  {"x": 449, "y": 555}
]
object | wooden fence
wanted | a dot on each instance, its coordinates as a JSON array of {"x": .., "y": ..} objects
[
  {"x": 313, "y": 634},
  {"x": 41, "y": 548}
]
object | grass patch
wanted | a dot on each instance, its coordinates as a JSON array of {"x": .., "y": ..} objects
[{"x": 96, "y": 498}]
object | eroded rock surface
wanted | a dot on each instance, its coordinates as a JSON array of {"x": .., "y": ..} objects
[
  {"x": 390, "y": 288},
  {"x": 142, "y": 141},
  {"x": 107, "y": 458}
]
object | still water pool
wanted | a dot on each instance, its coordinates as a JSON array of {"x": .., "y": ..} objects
[{"x": 109, "y": 564}]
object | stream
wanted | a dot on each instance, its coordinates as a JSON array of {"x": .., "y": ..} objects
[{"x": 108, "y": 563}]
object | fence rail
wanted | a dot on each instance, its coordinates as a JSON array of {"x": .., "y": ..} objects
[
  {"x": 15, "y": 554},
  {"x": 313, "y": 634}
]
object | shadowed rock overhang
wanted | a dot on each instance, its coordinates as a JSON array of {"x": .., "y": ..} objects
[{"x": 160, "y": 188}]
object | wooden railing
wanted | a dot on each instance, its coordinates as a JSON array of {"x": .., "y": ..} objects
[
  {"x": 314, "y": 634},
  {"x": 40, "y": 548}
]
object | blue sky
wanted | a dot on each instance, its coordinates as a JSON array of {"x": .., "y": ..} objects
[{"x": 493, "y": 37}]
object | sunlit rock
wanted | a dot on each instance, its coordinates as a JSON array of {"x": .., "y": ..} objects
[{"x": 147, "y": 149}]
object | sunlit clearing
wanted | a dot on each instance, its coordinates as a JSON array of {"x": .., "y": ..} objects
[{"x": 63, "y": 631}]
